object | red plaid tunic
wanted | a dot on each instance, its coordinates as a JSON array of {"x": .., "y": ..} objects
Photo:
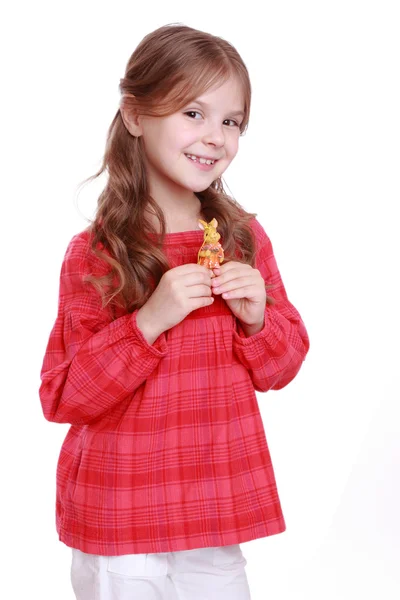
[{"x": 166, "y": 449}]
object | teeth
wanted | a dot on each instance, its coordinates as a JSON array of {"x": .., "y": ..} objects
[{"x": 202, "y": 161}]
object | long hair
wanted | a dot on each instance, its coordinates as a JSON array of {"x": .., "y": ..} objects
[{"x": 170, "y": 67}]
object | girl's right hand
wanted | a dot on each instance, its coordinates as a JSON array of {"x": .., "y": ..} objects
[{"x": 180, "y": 291}]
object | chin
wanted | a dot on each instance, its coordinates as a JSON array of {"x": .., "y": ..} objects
[{"x": 200, "y": 187}]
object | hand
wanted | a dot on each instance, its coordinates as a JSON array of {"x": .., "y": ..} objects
[
  {"x": 180, "y": 291},
  {"x": 245, "y": 287}
]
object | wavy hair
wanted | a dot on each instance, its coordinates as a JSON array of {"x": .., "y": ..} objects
[{"x": 170, "y": 67}]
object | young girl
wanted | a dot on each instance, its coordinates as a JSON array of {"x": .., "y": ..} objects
[{"x": 154, "y": 359}]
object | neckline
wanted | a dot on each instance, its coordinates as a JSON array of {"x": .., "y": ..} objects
[{"x": 182, "y": 236}]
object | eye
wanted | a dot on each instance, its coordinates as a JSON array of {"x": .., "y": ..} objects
[
  {"x": 190, "y": 113},
  {"x": 235, "y": 123}
]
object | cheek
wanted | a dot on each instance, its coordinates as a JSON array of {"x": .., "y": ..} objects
[
  {"x": 233, "y": 146},
  {"x": 159, "y": 145},
  {"x": 187, "y": 137}
]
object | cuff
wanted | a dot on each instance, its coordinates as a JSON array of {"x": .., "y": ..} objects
[
  {"x": 264, "y": 335},
  {"x": 159, "y": 347}
]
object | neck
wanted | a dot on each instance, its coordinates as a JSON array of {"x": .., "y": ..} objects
[{"x": 179, "y": 216}]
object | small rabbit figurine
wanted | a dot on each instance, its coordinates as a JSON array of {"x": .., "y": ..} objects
[{"x": 211, "y": 253}]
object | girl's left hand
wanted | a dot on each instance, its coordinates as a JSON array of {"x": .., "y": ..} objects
[{"x": 243, "y": 289}]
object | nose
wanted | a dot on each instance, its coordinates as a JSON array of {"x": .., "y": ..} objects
[{"x": 214, "y": 135}]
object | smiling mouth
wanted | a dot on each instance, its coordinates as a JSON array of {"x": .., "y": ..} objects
[{"x": 202, "y": 161}]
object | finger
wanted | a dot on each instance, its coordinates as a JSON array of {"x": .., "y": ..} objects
[
  {"x": 226, "y": 266},
  {"x": 250, "y": 291},
  {"x": 232, "y": 269},
  {"x": 224, "y": 284},
  {"x": 199, "y": 290}
]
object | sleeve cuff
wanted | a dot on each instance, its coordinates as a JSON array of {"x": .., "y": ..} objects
[
  {"x": 264, "y": 335},
  {"x": 159, "y": 348}
]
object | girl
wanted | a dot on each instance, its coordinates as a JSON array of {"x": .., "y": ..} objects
[{"x": 153, "y": 359}]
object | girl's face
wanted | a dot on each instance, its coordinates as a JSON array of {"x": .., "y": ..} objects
[{"x": 206, "y": 128}]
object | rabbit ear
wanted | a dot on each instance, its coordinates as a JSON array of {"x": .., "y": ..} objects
[
  {"x": 214, "y": 223},
  {"x": 202, "y": 224}
]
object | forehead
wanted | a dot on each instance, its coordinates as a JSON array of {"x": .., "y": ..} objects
[{"x": 228, "y": 93}]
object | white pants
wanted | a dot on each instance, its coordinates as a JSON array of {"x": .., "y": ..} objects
[{"x": 200, "y": 574}]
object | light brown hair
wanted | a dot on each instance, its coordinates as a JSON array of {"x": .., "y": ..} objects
[{"x": 170, "y": 67}]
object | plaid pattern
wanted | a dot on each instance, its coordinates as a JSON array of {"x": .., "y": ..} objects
[{"x": 166, "y": 449}]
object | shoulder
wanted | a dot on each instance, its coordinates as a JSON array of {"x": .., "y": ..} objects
[
  {"x": 259, "y": 232},
  {"x": 264, "y": 252},
  {"x": 79, "y": 256},
  {"x": 78, "y": 246}
]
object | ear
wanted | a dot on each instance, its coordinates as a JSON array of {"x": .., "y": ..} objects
[
  {"x": 130, "y": 117},
  {"x": 202, "y": 224}
]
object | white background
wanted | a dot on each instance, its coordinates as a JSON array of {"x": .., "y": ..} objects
[{"x": 320, "y": 166}]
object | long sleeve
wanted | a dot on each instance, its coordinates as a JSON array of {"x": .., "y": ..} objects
[
  {"x": 92, "y": 362},
  {"x": 273, "y": 356}
]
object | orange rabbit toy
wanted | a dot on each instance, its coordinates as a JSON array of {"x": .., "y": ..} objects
[{"x": 211, "y": 253}]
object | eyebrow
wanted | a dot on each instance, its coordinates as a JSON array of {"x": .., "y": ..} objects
[{"x": 231, "y": 112}]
